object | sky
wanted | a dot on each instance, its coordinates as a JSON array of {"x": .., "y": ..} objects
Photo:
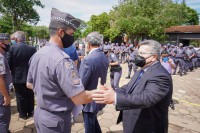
[{"x": 83, "y": 9}]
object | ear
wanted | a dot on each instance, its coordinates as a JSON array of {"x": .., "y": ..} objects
[{"x": 60, "y": 32}]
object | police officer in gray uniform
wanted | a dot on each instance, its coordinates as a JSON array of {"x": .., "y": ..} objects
[
  {"x": 54, "y": 78},
  {"x": 131, "y": 58},
  {"x": 5, "y": 80},
  {"x": 115, "y": 68}
]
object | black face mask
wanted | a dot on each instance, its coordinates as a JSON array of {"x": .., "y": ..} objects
[
  {"x": 67, "y": 40},
  {"x": 105, "y": 52},
  {"x": 140, "y": 61},
  {"x": 6, "y": 49}
]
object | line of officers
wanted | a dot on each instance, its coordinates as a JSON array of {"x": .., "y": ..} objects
[{"x": 186, "y": 58}]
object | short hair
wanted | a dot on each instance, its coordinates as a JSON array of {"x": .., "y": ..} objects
[
  {"x": 20, "y": 36},
  {"x": 164, "y": 52},
  {"x": 155, "y": 46},
  {"x": 94, "y": 38},
  {"x": 55, "y": 25}
]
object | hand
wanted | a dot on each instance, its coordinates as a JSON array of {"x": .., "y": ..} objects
[
  {"x": 6, "y": 101},
  {"x": 104, "y": 96},
  {"x": 169, "y": 61}
]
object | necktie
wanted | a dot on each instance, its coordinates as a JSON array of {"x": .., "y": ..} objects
[{"x": 140, "y": 76}]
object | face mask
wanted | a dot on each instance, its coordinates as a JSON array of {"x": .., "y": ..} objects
[
  {"x": 105, "y": 52},
  {"x": 6, "y": 49},
  {"x": 165, "y": 59},
  {"x": 140, "y": 61},
  {"x": 67, "y": 40},
  {"x": 13, "y": 42}
]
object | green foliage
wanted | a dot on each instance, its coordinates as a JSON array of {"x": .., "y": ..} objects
[
  {"x": 142, "y": 18},
  {"x": 20, "y": 11}
]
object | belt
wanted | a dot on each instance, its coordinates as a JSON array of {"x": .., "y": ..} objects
[{"x": 56, "y": 112}]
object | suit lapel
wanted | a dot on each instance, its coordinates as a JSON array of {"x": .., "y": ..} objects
[
  {"x": 133, "y": 80},
  {"x": 130, "y": 90}
]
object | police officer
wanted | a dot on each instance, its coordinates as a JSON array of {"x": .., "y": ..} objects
[
  {"x": 122, "y": 53},
  {"x": 80, "y": 54},
  {"x": 54, "y": 78},
  {"x": 5, "y": 80},
  {"x": 131, "y": 58},
  {"x": 180, "y": 60},
  {"x": 115, "y": 68}
]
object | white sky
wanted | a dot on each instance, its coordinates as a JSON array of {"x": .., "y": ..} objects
[{"x": 83, "y": 9}]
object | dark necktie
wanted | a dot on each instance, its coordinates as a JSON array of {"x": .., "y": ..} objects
[{"x": 139, "y": 77}]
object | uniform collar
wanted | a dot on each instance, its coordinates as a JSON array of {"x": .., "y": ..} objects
[{"x": 53, "y": 44}]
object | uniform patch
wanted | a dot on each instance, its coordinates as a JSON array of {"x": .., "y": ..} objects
[
  {"x": 2, "y": 65},
  {"x": 69, "y": 65},
  {"x": 74, "y": 77}
]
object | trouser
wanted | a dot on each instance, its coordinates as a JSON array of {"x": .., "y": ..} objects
[
  {"x": 5, "y": 116},
  {"x": 122, "y": 57},
  {"x": 52, "y": 122},
  {"x": 130, "y": 66},
  {"x": 25, "y": 99},
  {"x": 91, "y": 123},
  {"x": 181, "y": 63},
  {"x": 114, "y": 79}
]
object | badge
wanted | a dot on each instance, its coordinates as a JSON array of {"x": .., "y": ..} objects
[
  {"x": 69, "y": 65},
  {"x": 2, "y": 67},
  {"x": 74, "y": 77}
]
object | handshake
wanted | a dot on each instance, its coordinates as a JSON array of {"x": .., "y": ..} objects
[{"x": 104, "y": 95}]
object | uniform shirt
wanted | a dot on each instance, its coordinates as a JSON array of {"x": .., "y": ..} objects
[
  {"x": 5, "y": 71},
  {"x": 71, "y": 51},
  {"x": 112, "y": 58},
  {"x": 132, "y": 55},
  {"x": 180, "y": 52},
  {"x": 55, "y": 79}
]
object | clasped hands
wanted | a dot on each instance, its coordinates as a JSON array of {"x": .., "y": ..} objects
[{"x": 104, "y": 95}]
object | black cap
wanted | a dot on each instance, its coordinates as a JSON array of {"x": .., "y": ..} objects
[{"x": 65, "y": 18}]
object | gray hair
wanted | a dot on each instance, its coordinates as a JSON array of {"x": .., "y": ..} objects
[
  {"x": 94, "y": 38},
  {"x": 155, "y": 46},
  {"x": 20, "y": 35}
]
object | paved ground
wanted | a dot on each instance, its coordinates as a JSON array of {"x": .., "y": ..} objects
[{"x": 184, "y": 119}]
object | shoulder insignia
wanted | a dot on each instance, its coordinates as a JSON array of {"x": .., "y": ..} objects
[
  {"x": 69, "y": 65},
  {"x": 74, "y": 77}
]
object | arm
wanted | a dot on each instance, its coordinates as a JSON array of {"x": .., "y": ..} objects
[
  {"x": 4, "y": 92},
  {"x": 156, "y": 89}
]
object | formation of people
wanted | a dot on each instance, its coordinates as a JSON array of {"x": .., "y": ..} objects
[{"x": 65, "y": 81}]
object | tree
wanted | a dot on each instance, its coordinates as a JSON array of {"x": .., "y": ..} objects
[
  {"x": 21, "y": 11},
  {"x": 98, "y": 23}
]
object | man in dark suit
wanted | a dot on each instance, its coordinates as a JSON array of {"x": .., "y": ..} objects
[
  {"x": 18, "y": 58},
  {"x": 143, "y": 103},
  {"x": 93, "y": 67}
]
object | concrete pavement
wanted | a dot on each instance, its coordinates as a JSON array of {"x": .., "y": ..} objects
[{"x": 184, "y": 119}]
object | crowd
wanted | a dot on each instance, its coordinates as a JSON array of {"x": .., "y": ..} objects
[{"x": 66, "y": 81}]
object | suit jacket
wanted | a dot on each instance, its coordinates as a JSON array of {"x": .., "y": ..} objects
[
  {"x": 93, "y": 67},
  {"x": 18, "y": 58},
  {"x": 145, "y": 105}
]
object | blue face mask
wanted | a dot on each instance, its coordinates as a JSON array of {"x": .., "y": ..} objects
[
  {"x": 13, "y": 42},
  {"x": 165, "y": 59}
]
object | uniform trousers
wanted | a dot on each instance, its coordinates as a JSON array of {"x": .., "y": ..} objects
[
  {"x": 52, "y": 122},
  {"x": 5, "y": 116}
]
